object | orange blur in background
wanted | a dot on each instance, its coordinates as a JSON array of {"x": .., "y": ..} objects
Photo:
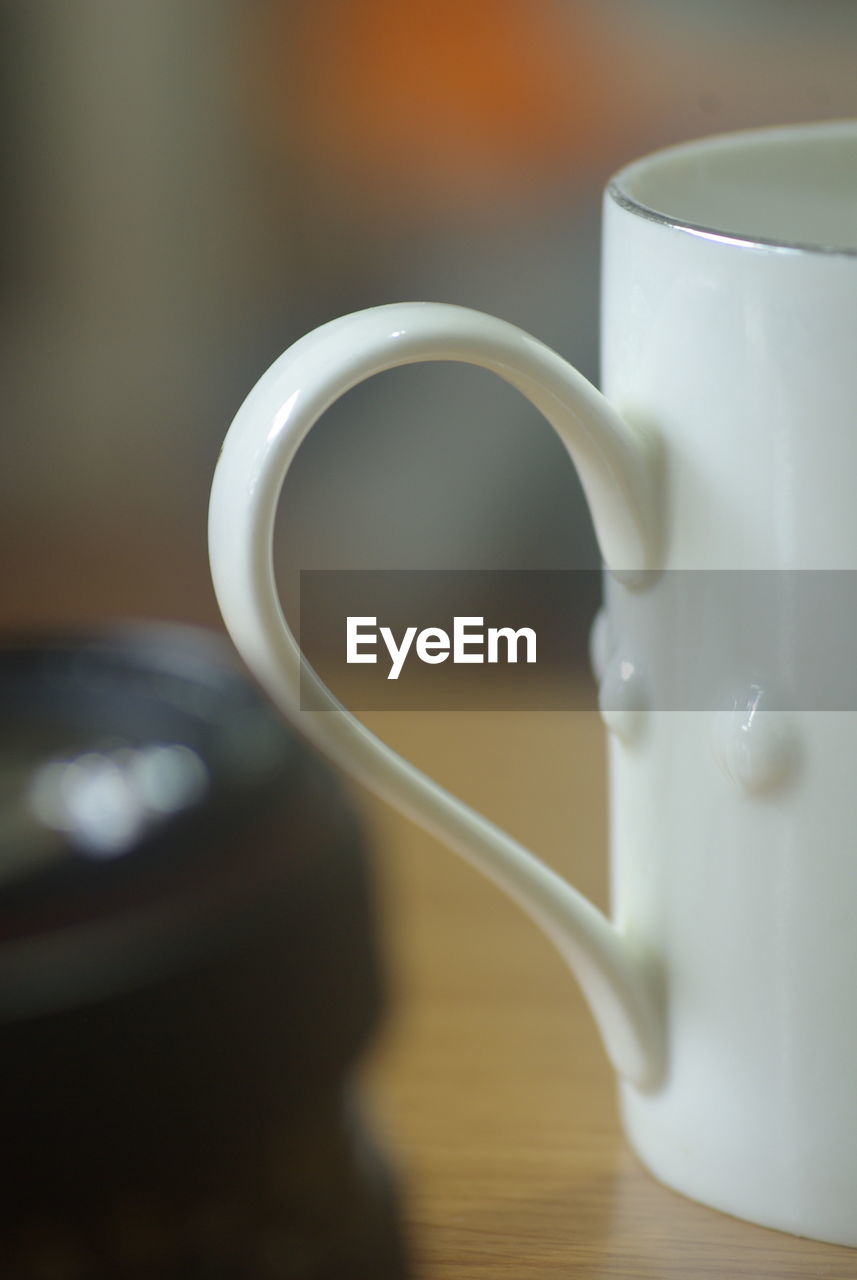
[{"x": 449, "y": 102}]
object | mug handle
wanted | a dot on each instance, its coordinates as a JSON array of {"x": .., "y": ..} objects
[{"x": 617, "y": 463}]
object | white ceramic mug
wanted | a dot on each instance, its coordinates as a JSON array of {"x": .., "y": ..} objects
[{"x": 726, "y": 438}]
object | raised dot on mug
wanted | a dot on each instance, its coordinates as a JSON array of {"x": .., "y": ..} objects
[
  {"x": 599, "y": 644},
  {"x": 622, "y": 699},
  {"x": 756, "y": 748}
]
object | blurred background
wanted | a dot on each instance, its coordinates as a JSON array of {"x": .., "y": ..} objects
[{"x": 188, "y": 187}]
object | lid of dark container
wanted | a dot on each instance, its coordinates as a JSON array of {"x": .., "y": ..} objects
[{"x": 154, "y": 811}]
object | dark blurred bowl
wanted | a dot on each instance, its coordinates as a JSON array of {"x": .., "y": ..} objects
[{"x": 188, "y": 974}]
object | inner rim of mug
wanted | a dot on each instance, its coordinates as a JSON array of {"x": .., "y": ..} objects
[{"x": 792, "y": 188}]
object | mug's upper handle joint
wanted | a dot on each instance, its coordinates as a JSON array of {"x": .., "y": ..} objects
[{"x": 618, "y": 462}]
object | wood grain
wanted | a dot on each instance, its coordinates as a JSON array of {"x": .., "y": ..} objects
[{"x": 491, "y": 1086}]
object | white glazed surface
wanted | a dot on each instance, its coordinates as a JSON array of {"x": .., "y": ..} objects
[
  {"x": 728, "y": 441},
  {"x": 732, "y": 834}
]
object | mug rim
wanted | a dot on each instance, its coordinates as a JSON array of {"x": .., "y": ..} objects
[{"x": 617, "y": 189}]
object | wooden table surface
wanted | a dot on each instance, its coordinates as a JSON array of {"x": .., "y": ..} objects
[{"x": 491, "y": 1085}]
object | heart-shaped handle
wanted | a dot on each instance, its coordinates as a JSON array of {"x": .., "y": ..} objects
[{"x": 617, "y": 464}]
